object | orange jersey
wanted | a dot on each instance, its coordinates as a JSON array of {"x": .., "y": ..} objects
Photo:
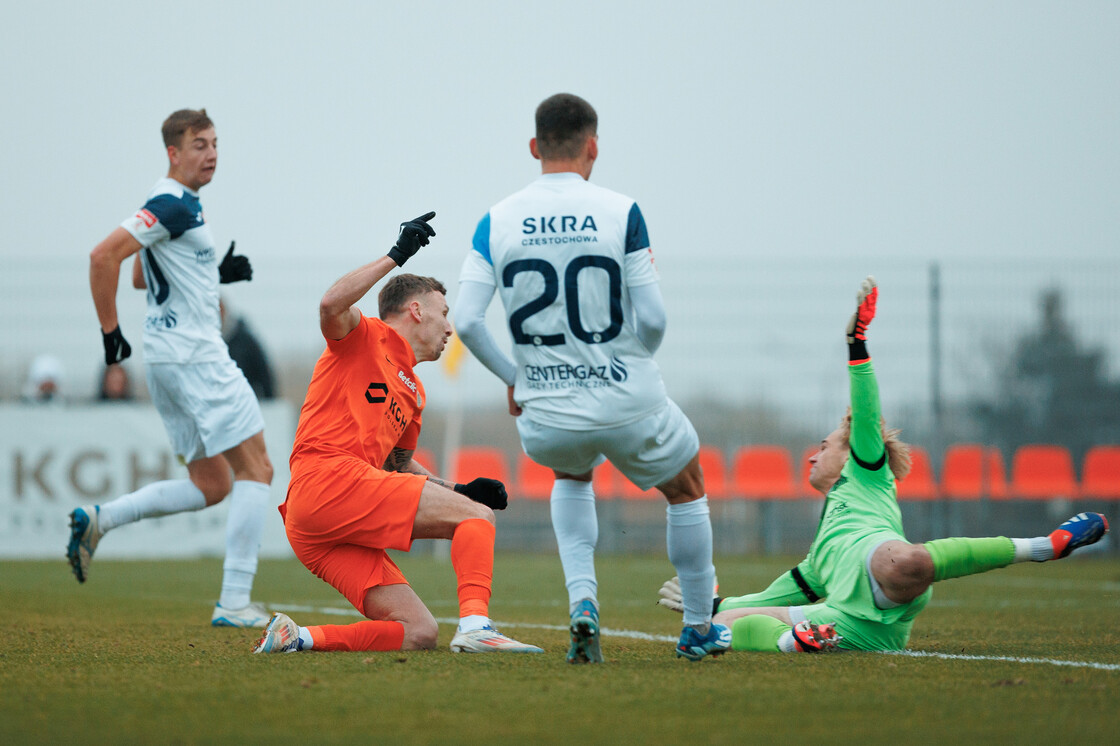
[{"x": 363, "y": 400}]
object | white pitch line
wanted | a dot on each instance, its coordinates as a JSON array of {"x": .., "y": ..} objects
[
  {"x": 606, "y": 631},
  {"x": 1007, "y": 658},
  {"x": 635, "y": 635}
]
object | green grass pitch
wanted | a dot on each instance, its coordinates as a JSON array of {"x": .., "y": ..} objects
[{"x": 129, "y": 657}]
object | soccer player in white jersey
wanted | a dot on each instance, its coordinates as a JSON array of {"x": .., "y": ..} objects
[
  {"x": 211, "y": 416},
  {"x": 574, "y": 269}
]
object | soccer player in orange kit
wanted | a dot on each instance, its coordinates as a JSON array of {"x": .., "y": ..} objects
[{"x": 355, "y": 490}]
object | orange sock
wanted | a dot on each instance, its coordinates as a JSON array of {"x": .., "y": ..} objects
[
  {"x": 472, "y": 556},
  {"x": 368, "y": 635}
]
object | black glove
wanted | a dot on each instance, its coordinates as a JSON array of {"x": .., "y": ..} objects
[
  {"x": 234, "y": 268},
  {"x": 117, "y": 347},
  {"x": 489, "y": 492},
  {"x": 413, "y": 235}
]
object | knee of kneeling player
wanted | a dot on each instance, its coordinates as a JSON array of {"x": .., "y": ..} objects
[
  {"x": 420, "y": 635},
  {"x": 478, "y": 510}
]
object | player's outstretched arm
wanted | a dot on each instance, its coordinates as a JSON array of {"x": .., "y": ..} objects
[
  {"x": 866, "y": 439},
  {"x": 337, "y": 314},
  {"x": 104, "y": 274},
  {"x": 489, "y": 492}
]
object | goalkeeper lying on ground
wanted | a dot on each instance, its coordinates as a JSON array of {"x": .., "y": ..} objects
[{"x": 862, "y": 584}]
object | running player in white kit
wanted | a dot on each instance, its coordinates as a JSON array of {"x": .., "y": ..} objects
[
  {"x": 210, "y": 413},
  {"x": 574, "y": 269}
]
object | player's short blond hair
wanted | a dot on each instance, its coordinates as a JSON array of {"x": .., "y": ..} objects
[
  {"x": 402, "y": 289},
  {"x": 183, "y": 121},
  {"x": 898, "y": 452}
]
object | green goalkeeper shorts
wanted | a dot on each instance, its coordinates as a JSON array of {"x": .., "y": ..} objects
[{"x": 850, "y": 604}]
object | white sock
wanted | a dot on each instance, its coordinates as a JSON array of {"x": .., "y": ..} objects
[
  {"x": 306, "y": 641},
  {"x": 576, "y": 526},
  {"x": 150, "y": 501},
  {"x": 786, "y": 643},
  {"x": 1038, "y": 549},
  {"x": 247, "y": 504},
  {"x": 471, "y": 622},
  {"x": 689, "y": 540}
]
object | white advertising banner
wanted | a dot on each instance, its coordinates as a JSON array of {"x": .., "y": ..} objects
[{"x": 54, "y": 459}]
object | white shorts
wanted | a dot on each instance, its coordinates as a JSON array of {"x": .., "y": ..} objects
[
  {"x": 649, "y": 452},
  {"x": 207, "y": 408}
]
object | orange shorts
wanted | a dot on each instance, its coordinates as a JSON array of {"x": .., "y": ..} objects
[{"x": 342, "y": 514}]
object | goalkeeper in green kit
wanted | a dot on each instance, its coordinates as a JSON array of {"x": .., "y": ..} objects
[{"x": 862, "y": 584}]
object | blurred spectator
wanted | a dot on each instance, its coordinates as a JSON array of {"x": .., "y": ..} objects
[
  {"x": 116, "y": 384},
  {"x": 247, "y": 352},
  {"x": 44, "y": 380}
]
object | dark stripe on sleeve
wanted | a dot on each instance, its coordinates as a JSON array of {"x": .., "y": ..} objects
[
  {"x": 173, "y": 213},
  {"x": 637, "y": 238},
  {"x": 871, "y": 467},
  {"x": 800, "y": 580}
]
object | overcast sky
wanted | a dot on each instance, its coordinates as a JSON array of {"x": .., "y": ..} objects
[{"x": 816, "y": 141}]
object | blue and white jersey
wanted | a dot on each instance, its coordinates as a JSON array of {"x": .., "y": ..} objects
[
  {"x": 183, "y": 324},
  {"x": 563, "y": 254}
]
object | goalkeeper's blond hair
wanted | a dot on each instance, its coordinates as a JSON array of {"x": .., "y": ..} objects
[{"x": 898, "y": 452}]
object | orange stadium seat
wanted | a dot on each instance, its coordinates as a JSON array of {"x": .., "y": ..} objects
[
  {"x": 996, "y": 474},
  {"x": 763, "y": 472},
  {"x": 1042, "y": 472},
  {"x": 480, "y": 461},
  {"x": 715, "y": 473},
  {"x": 534, "y": 482},
  {"x": 971, "y": 471},
  {"x": 919, "y": 483},
  {"x": 962, "y": 471},
  {"x": 1100, "y": 473}
]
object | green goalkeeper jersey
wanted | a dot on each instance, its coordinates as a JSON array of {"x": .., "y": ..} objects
[{"x": 860, "y": 512}]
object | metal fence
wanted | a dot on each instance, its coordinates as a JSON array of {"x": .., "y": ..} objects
[{"x": 754, "y": 354}]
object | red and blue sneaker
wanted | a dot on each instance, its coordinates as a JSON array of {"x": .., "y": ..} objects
[
  {"x": 1080, "y": 531},
  {"x": 815, "y": 638}
]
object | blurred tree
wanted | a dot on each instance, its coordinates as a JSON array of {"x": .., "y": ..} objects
[{"x": 1051, "y": 390}]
